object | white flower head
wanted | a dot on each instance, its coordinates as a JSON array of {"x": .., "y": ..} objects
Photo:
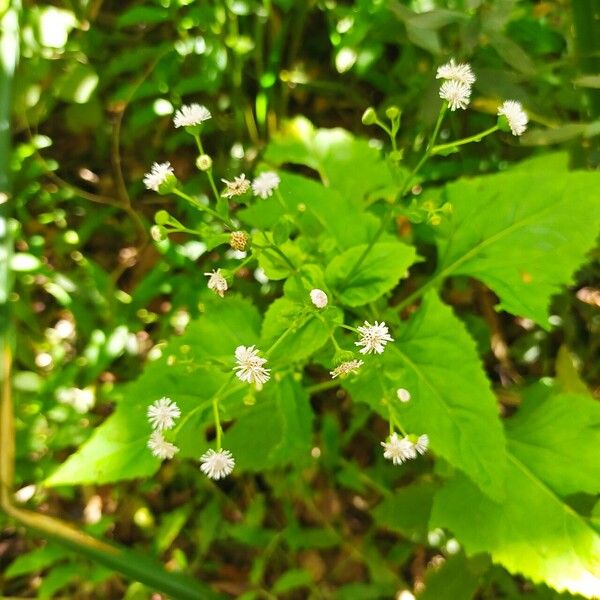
[
  {"x": 373, "y": 338},
  {"x": 250, "y": 367},
  {"x": 163, "y": 413},
  {"x": 217, "y": 465},
  {"x": 403, "y": 395},
  {"x": 265, "y": 183},
  {"x": 191, "y": 114},
  {"x": 160, "y": 447},
  {"x": 456, "y": 93},
  {"x": 216, "y": 282},
  {"x": 344, "y": 369},
  {"x": 456, "y": 71},
  {"x": 240, "y": 185},
  {"x": 398, "y": 449},
  {"x": 318, "y": 298},
  {"x": 515, "y": 115},
  {"x": 422, "y": 444},
  {"x": 158, "y": 174}
]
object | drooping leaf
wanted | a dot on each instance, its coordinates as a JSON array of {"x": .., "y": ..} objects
[
  {"x": 384, "y": 265},
  {"x": 436, "y": 360},
  {"x": 532, "y": 532},
  {"x": 117, "y": 449},
  {"x": 558, "y": 437},
  {"x": 522, "y": 233}
]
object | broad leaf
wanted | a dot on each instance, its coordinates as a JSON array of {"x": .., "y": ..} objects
[
  {"x": 522, "y": 233},
  {"x": 457, "y": 578},
  {"x": 558, "y": 437},
  {"x": 436, "y": 360},
  {"x": 532, "y": 532},
  {"x": 385, "y": 264},
  {"x": 117, "y": 449}
]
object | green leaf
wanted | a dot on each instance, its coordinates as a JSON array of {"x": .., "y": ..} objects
[
  {"x": 436, "y": 360},
  {"x": 347, "y": 164},
  {"x": 558, "y": 437},
  {"x": 456, "y": 578},
  {"x": 291, "y": 580},
  {"x": 522, "y": 233},
  {"x": 385, "y": 264},
  {"x": 407, "y": 511},
  {"x": 533, "y": 532},
  {"x": 36, "y": 560},
  {"x": 275, "y": 432},
  {"x": 304, "y": 330},
  {"x": 117, "y": 449}
]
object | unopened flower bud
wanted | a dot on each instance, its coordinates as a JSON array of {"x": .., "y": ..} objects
[
  {"x": 238, "y": 240},
  {"x": 318, "y": 298},
  {"x": 392, "y": 112},
  {"x": 204, "y": 162},
  {"x": 158, "y": 233},
  {"x": 162, "y": 217},
  {"x": 435, "y": 220},
  {"x": 369, "y": 116}
]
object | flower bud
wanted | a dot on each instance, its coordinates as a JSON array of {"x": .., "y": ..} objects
[
  {"x": 168, "y": 184},
  {"x": 435, "y": 220},
  {"x": 238, "y": 240},
  {"x": 162, "y": 217},
  {"x": 392, "y": 112},
  {"x": 369, "y": 116},
  {"x": 204, "y": 162},
  {"x": 158, "y": 233},
  {"x": 319, "y": 298}
]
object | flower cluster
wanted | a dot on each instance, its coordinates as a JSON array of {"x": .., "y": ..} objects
[
  {"x": 250, "y": 366},
  {"x": 456, "y": 90},
  {"x": 162, "y": 415},
  {"x": 400, "y": 449}
]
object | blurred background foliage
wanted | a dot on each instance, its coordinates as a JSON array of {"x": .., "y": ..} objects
[{"x": 94, "y": 296}]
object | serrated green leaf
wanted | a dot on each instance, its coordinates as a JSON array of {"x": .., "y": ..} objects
[
  {"x": 385, "y": 264},
  {"x": 532, "y": 532},
  {"x": 436, "y": 360},
  {"x": 522, "y": 233},
  {"x": 276, "y": 431},
  {"x": 305, "y": 331},
  {"x": 117, "y": 449},
  {"x": 558, "y": 437}
]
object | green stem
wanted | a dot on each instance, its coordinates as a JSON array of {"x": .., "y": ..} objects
[
  {"x": 323, "y": 386},
  {"x": 215, "y": 404},
  {"x": 209, "y": 172},
  {"x": 200, "y": 206},
  {"x": 405, "y": 187},
  {"x": 473, "y": 138}
]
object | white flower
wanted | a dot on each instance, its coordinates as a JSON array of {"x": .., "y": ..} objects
[
  {"x": 350, "y": 366},
  {"x": 373, "y": 338},
  {"x": 456, "y": 93},
  {"x": 318, "y": 298},
  {"x": 237, "y": 187},
  {"x": 250, "y": 366},
  {"x": 515, "y": 115},
  {"x": 157, "y": 175},
  {"x": 422, "y": 444},
  {"x": 160, "y": 447},
  {"x": 403, "y": 395},
  {"x": 191, "y": 114},
  {"x": 398, "y": 450},
  {"x": 265, "y": 183},
  {"x": 80, "y": 399},
  {"x": 217, "y": 465},
  {"x": 162, "y": 414},
  {"x": 217, "y": 283},
  {"x": 458, "y": 72}
]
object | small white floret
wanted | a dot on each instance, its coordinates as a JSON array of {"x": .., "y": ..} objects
[
  {"x": 318, "y": 298},
  {"x": 403, "y": 395},
  {"x": 515, "y": 115},
  {"x": 157, "y": 175},
  {"x": 344, "y": 369},
  {"x": 160, "y": 447},
  {"x": 398, "y": 449},
  {"x": 216, "y": 282},
  {"x": 422, "y": 444},
  {"x": 456, "y": 71},
  {"x": 163, "y": 413},
  {"x": 191, "y": 114},
  {"x": 456, "y": 93},
  {"x": 217, "y": 465},
  {"x": 240, "y": 185},
  {"x": 265, "y": 183},
  {"x": 373, "y": 338},
  {"x": 250, "y": 367}
]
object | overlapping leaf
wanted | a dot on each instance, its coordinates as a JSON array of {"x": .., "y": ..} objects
[
  {"x": 522, "y": 233},
  {"x": 435, "y": 358}
]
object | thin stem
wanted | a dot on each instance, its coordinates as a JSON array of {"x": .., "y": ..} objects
[
  {"x": 215, "y": 404},
  {"x": 323, "y": 386},
  {"x": 405, "y": 187},
  {"x": 473, "y": 138},
  {"x": 199, "y": 206},
  {"x": 209, "y": 172},
  {"x": 419, "y": 292}
]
